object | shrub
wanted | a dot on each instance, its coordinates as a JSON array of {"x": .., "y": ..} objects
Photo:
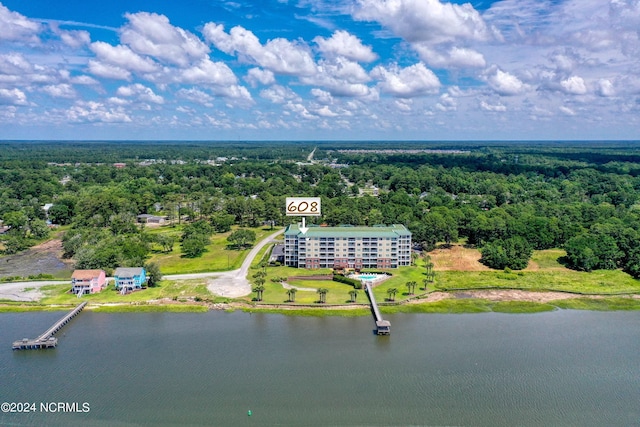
[{"x": 347, "y": 280}]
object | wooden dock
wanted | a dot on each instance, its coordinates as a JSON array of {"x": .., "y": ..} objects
[
  {"x": 383, "y": 327},
  {"x": 46, "y": 339}
]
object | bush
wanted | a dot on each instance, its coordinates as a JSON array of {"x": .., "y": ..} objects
[{"x": 347, "y": 280}]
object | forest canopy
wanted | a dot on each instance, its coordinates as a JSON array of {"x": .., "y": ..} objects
[{"x": 504, "y": 198}]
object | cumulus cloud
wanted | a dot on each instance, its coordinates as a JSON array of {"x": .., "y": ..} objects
[
  {"x": 12, "y": 97},
  {"x": 574, "y": 85},
  {"x": 107, "y": 71},
  {"x": 14, "y": 63},
  {"x": 91, "y": 112},
  {"x": 75, "y": 39},
  {"x": 278, "y": 55},
  {"x": 197, "y": 96},
  {"x": 123, "y": 57},
  {"x": 16, "y": 27},
  {"x": 605, "y": 88},
  {"x": 425, "y": 20},
  {"x": 140, "y": 92},
  {"x": 279, "y": 94},
  {"x": 208, "y": 72},
  {"x": 152, "y": 34},
  {"x": 447, "y": 103},
  {"x": 456, "y": 57},
  {"x": 412, "y": 81},
  {"x": 62, "y": 90},
  {"x": 342, "y": 43},
  {"x": 257, "y": 76},
  {"x": 341, "y": 76},
  {"x": 322, "y": 96},
  {"x": 504, "y": 83},
  {"x": 492, "y": 107}
]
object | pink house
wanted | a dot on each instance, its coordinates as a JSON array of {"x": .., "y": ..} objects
[{"x": 88, "y": 281}]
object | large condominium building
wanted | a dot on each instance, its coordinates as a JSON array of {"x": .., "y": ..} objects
[{"x": 347, "y": 247}]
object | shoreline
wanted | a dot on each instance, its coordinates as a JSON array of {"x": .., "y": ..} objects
[{"x": 459, "y": 301}]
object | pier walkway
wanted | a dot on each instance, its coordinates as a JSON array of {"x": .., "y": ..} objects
[
  {"x": 46, "y": 339},
  {"x": 383, "y": 327}
]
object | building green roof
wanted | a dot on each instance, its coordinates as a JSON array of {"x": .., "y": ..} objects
[{"x": 395, "y": 230}]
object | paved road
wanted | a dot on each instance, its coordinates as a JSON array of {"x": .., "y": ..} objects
[{"x": 228, "y": 283}]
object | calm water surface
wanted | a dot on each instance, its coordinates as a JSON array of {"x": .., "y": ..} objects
[{"x": 180, "y": 369}]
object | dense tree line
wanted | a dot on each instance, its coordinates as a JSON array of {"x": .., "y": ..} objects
[{"x": 505, "y": 199}]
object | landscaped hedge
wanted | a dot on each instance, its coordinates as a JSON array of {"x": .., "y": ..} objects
[{"x": 343, "y": 279}]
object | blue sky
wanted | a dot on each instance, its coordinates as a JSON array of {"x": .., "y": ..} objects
[{"x": 320, "y": 69}]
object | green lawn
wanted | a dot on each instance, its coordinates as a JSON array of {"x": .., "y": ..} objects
[
  {"x": 603, "y": 282},
  {"x": 180, "y": 290},
  {"x": 216, "y": 258}
]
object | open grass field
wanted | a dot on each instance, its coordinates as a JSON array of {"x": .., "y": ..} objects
[
  {"x": 216, "y": 258},
  {"x": 459, "y": 268}
]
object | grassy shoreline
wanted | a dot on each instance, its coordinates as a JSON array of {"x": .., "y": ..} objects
[{"x": 443, "y": 306}]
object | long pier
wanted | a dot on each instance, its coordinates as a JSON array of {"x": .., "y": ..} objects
[
  {"x": 383, "y": 327},
  {"x": 46, "y": 339}
]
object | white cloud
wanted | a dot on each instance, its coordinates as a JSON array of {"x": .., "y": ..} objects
[
  {"x": 447, "y": 103},
  {"x": 279, "y": 94},
  {"x": 123, "y": 57},
  {"x": 404, "y": 104},
  {"x": 322, "y": 96},
  {"x": 325, "y": 111},
  {"x": 568, "y": 111},
  {"x": 14, "y": 63},
  {"x": 140, "y": 92},
  {"x": 257, "y": 76},
  {"x": 503, "y": 82},
  {"x": 75, "y": 39},
  {"x": 425, "y": 20},
  {"x": 197, "y": 96},
  {"x": 208, "y": 72},
  {"x": 574, "y": 85},
  {"x": 605, "y": 88},
  {"x": 492, "y": 107},
  {"x": 107, "y": 71},
  {"x": 300, "y": 110},
  {"x": 152, "y": 34},
  {"x": 12, "y": 97},
  {"x": 412, "y": 81},
  {"x": 455, "y": 57},
  {"x": 341, "y": 43},
  {"x": 62, "y": 90},
  {"x": 341, "y": 77},
  {"x": 91, "y": 112},
  {"x": 278, "y": 55},
  {"x": 16, "y": 27}
]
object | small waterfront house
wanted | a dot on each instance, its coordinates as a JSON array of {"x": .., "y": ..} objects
[
  {"x": 88, "y": 281},
  {"x": 151, "y": 219},
  {"x": 130, "y": 278}
]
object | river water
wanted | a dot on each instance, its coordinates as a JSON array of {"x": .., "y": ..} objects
[{"x": 560, "y": 368}]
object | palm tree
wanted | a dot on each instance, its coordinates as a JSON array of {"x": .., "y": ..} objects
[
  {"x": 429, "y": 267},
  {"x": 424, "y": 283},
  {"x": 392, "y": 293},
  {"x": 353, "y": 294},
  {"x": 258, "y": 290},
  {"x": 323, "y": 294},
  {"x": 411, "y": 286},
  {"x": 292, "y": 294}
]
